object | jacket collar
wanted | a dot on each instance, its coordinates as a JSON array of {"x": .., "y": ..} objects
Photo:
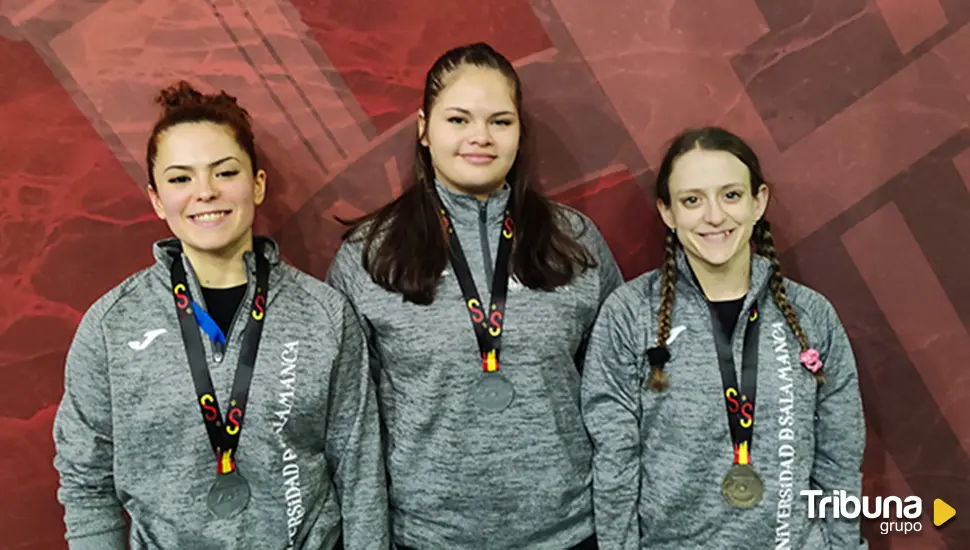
[
  {"x": 760, "y": 276},
  {"x": 169, "y": 250},
  {"x": 466, "y": 209}
]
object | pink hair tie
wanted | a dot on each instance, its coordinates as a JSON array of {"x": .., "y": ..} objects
[{"x": 810, "y": 360}]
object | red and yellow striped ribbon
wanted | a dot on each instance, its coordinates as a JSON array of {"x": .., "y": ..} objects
[
  {"x": 741, "y": 455},
  {"x": 489, "y": 362},
  {"x": 226, "y": 464}
]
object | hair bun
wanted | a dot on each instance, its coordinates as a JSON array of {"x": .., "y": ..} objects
[
  {"x": 227, "y": 102},
  {"x": 178, "y": 95},
  {"x": 182, "y": 94}
]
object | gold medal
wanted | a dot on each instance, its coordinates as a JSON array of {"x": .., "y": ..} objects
[{"x": 742, "y": 487}]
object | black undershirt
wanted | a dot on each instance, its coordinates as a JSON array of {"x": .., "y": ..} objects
[
  {"x": 727, "y": 310},
  {"x": 727, "y": 313},
  {"x": 221, "y": 304}
]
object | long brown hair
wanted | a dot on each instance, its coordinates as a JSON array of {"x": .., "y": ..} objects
[
  {"x": 405, "y": 249},
  {"x": 181, "y": 103},
  {"x": 713, "y": 139}
]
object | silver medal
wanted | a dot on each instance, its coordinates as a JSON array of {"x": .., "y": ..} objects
[
  {"x": 493, "y": 392},
  {"x": 229, "y": 495}
]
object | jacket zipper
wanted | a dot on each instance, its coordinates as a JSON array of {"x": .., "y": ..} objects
[
  {"x": 486, "y": 250},
  {"x": 219, "y": 354}
]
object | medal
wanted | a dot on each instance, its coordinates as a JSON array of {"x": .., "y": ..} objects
[
  {"x": 230, "y": 492},
  {"x": 229, "y": 495},
  {"x": 493, "y": 392},
  {"x": 742, "y": 487}
]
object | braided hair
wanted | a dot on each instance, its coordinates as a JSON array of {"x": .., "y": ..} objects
[{"x": 713, "y": 139}]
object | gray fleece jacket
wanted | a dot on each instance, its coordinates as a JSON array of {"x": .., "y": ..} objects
[
  {"x": 460, "y": 477},
  {"x": 129, "y": 433},
  {"x": 660, "y": 458}
]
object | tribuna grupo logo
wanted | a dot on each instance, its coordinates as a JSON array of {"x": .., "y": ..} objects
[{"x": 899, "y": 515}]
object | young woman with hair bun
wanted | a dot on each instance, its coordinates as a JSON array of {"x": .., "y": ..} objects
[
  {"x": 716, "y": 389},
  {"x": 219, "y": 398}
]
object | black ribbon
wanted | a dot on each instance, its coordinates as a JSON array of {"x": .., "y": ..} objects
[
  {"x": 740, "y": 402},
  {"x": 223, "y": 432},
  {"x": 487, "y": 323}
]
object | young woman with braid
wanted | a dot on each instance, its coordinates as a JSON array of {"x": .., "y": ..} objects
[{"x": 715, "y": 389}]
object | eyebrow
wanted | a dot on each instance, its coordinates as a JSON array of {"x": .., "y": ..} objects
[
  {"x": 725, "y": 186},
  {"x": 469, "y": 113},
  {"x": 211, "y": 164}
]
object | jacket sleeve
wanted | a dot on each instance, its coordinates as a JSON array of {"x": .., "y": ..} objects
[
  {"x": 610, "y": 276},
  {"x": 839, "y": 431},
  {"x": 353, "y": 445},
  {"x": 608, "y": 273},
  {"x": 610, "y": 398},
  {"x": 345, "y": 270},
  {"x": 346, "y": 275},
  {"x": 83, "y": 440}
]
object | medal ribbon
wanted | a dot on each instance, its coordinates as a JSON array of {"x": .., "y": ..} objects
[
  {"x": 740, "y": 404},
  {"x": 487, "y": 323},
  {"x": 223, "y": 432}
]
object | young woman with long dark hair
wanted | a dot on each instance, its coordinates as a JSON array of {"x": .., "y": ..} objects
[{"x": 477, "y": 295}]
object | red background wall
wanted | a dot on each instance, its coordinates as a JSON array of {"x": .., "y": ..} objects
[{"x": 859, "y": 109}]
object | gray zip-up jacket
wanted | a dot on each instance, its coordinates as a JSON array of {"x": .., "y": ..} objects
[
  {"x": 129, "y": 433},
  {"x": 660, "y": 458},
  {"x": 461, "y": 477}
]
